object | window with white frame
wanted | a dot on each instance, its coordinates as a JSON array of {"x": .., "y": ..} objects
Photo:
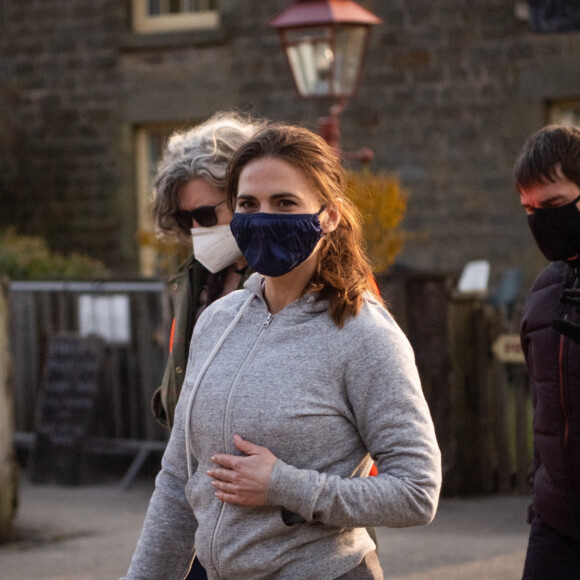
[
  {"x": 565, "y": 113},
  {"x": 150, "y": 16},
  {"x": 156, "y": 258}
]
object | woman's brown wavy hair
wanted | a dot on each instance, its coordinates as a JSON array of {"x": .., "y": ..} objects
[{"x": 343, "y": 273}]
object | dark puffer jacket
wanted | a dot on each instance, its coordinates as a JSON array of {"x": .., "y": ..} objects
[{"x": 554, "y": 364}]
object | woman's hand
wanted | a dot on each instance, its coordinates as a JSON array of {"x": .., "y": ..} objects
[{"x": 243, "y": 480}]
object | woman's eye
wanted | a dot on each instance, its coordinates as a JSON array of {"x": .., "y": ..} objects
[{"x": 244, "y": 205}]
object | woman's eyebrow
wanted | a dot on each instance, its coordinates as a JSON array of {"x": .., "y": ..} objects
[
  {"x": 284, "y": 194},
  {"x": 272, "y": 196}
]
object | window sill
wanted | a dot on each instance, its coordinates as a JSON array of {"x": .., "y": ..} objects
[{"x": 160, "y": 40}]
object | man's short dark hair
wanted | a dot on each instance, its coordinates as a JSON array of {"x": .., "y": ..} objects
[{"x": 543, "y": 152}]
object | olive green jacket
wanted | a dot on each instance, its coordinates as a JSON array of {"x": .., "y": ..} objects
[{"x": 184, "y": 290}]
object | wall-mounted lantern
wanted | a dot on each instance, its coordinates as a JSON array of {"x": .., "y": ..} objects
[{"x": 325, "y": 43}]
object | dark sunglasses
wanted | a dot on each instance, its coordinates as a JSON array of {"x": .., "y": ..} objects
[{"x": 204, "y": 215}]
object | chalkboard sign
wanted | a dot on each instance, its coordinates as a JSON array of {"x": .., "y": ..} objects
[{"x": 65, "y": 407}]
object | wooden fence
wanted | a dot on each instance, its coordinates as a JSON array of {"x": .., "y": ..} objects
[
  {"x": 481, "y": 405},
  {"x": 133, "y": 321}
]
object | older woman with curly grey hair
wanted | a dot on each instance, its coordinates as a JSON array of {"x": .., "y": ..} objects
[
  {"x": 199, "y": 154},
  {"x": 190, "y": 201}
]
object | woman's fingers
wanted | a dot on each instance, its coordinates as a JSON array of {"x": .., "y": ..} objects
[{"x": 243, "y": 480}]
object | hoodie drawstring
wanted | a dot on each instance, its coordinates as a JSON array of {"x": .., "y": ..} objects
[{"x": 199, "y": 378}]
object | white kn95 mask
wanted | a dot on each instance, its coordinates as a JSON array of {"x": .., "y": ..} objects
[{"x": 215, "y": 247}]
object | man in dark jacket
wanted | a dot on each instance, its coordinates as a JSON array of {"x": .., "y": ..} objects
[{"x": 547, "y": 177}]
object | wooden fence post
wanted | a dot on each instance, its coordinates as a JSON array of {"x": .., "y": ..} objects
[
  {"x": 512, "y": 403},
  {"x": 424, "y": 312},
  {"x": 523, "y": 437},
  {"x": 8, "y": 469},
  {"x": 470, "y": 403}
]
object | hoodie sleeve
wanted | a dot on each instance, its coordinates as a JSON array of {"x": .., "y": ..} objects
[
  {"x": 166, "y": 546},
  {"x": 375, "y": 361}
]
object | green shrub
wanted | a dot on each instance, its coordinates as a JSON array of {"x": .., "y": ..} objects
[{"x": 29, "y": 258}]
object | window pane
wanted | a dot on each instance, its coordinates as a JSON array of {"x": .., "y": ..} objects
[
  {"x": 159, "y": 259},
  {"x": 206, "y": 4},
  {"x": 154, "y": 7},
  {"x": 159, "y": 7},
  {"x": 157, "y": 143},
  {"x": 565, "y": 114},
  {"x": 151, "y": 16},
  {"x": 174, "y": 6}
]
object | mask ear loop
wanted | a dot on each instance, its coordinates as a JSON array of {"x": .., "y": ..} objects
[{"x": 324, "y": 234}]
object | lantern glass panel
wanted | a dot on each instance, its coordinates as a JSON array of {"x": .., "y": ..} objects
[
  {"x": 311, "y": 59},
  {"x": 154, "y": 7},
  {"x": 350, "y": 45}
]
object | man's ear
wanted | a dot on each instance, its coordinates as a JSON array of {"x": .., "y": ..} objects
[{"x": 331, "y": 217}]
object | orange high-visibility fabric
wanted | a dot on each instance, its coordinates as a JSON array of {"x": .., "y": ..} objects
[{"x": 172, "y": 336}]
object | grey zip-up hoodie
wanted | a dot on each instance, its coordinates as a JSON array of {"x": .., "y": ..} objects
[{"x": 327, "y": 402}]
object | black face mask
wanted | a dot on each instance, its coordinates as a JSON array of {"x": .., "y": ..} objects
[{"x": 557, "y": 230}]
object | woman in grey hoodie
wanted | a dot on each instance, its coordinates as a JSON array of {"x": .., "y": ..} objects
[{"x": 300, "y": 381}]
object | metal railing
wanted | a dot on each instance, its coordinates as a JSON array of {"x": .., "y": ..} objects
[{"x": 133, "y": 320}]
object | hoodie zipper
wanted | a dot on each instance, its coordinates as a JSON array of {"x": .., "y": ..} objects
[
  {"x": 228, "y": 437},
  {"x": 227, "y": 431}
]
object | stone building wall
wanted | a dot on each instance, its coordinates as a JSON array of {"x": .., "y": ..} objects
[
  {"x": 60, "y": 91},
  {"x": 450, "y": 91}
]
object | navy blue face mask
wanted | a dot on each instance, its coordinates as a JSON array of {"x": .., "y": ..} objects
[{"x": 274, "y": 243}]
